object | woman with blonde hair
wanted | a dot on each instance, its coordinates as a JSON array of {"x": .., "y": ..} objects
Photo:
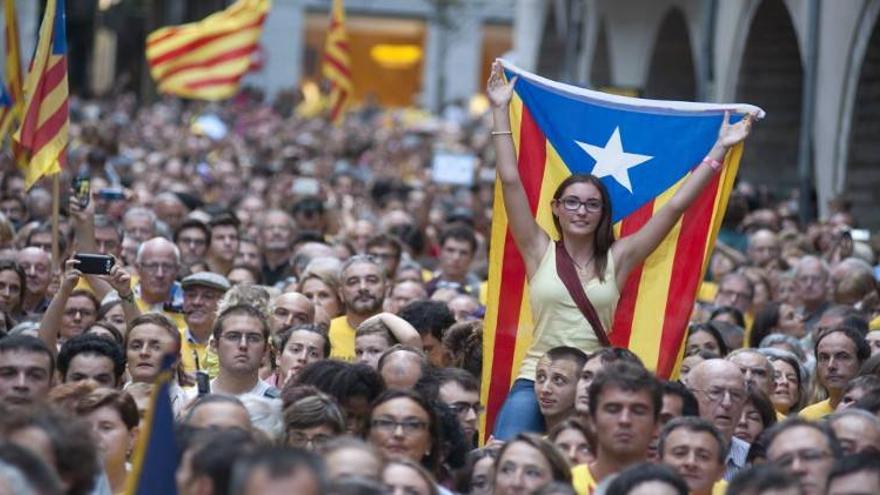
[{"x": 323, "y": 290}]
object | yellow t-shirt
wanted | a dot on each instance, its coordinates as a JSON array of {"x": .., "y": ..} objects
[
  {"x": 188, "y": 351},
  {"x": 341, "y": 339},
  {"x": 719, "y": 488},
  {"x": 817, "y": 411},
  {"x": 875, "y": 324},
  {"x": 582, "y": 480}
]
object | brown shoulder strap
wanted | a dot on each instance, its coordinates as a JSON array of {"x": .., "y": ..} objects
[{"x": 568, "y": 274}]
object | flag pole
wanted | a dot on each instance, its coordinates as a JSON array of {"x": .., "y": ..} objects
[{"x": 56, "y": 205}]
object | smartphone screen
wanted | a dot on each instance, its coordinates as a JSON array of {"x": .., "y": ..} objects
[{"x": 82, "y": 190}]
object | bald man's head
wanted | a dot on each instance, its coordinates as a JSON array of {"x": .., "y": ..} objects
[{"x": 720, "y": 388}]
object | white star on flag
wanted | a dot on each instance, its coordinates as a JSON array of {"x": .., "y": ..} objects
[{"x": 612, "y": 160}]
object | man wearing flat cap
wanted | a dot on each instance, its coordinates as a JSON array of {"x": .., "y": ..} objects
[{"x": 201, "y": 293}]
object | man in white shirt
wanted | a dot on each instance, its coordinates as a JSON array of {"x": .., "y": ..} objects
[{"x": 241, "y": 338}]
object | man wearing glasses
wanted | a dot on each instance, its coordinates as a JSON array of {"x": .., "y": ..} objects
[
  {"x": 720, "y": 388},
  {"x": 156, "y": 289},
  {"x": 735, "y": 290},
  {"x": 811, "y": 286},
  {"x": 805, "y": 450},
  {"x": 241, "y": 335},
  {"x": 460, "y": 391},
  {"x": 192, "y": 239}
]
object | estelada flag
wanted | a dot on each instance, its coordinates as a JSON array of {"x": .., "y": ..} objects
[
  {"x": 207, "y": 59},
  {"x": 642, "y": 150},
  {"x": 156, "y": 454}
]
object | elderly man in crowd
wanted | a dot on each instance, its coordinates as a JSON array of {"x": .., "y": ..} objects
[
  {"x": 720, "y": 388},
  {"x": 201, "y": 295},
  {"x": 157, "y": 264}
]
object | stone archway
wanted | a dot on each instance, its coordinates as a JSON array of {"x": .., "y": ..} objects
[
  {"x": 671, "y": 74},
  {"x": 863, "y": 173},
  {"x": 771, "y": 76}
]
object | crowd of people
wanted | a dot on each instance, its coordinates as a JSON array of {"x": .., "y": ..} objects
[{"x": 323, "y": 299}]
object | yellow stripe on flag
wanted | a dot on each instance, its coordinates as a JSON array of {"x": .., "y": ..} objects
[
  {"x": 653, "y": 291},
  {"x": 555, "y": 171},
  {"x": 177, "y": 55},
  {"x": 210, "y": 50}
]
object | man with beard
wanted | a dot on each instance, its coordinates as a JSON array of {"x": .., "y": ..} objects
[
  {"x": 625, "y": 401},
  {"x": 201, "y": 293},
  {"x": 276, "y": 237},
  {"x": 363, "y": 291}
]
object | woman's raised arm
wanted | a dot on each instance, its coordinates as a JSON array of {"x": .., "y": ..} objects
[
  {"x": 528, "y": 235},
  {"x": 632, "y": 250}
]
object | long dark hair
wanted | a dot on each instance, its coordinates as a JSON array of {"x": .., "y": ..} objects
[{"x": 604, "y": 236}]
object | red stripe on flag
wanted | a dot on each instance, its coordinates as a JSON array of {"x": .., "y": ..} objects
[
  {"x": 210, "y": 62},
  {"x": 343, "y": 69},
  {"x": 340, "y": 96},
  {"x": 513, "y": 276},
  {"x": 623, "y": 316},
  {"x": 171, "y": 32},
  {"x": 199, "y": 42},
  {"x": 31, "y": 118},
  {"x": 55, "y": 74},
  {"x": 531, "y": 163},
  {"x": 50, "y": 129},
  {"x": 689, "y": 252},
  {"x": 214, "y": 81},
  {"x": 532, "y": 158},
  {"x": 342, "y": 45}
]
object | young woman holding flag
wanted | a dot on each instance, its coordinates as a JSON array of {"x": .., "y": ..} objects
[{"x": 590, "y": 261}]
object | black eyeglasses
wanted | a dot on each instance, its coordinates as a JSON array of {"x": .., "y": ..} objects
[{"x": 571, "y": 203}]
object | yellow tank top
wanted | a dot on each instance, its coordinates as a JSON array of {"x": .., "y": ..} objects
[{"x": 557, "y": 319}]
